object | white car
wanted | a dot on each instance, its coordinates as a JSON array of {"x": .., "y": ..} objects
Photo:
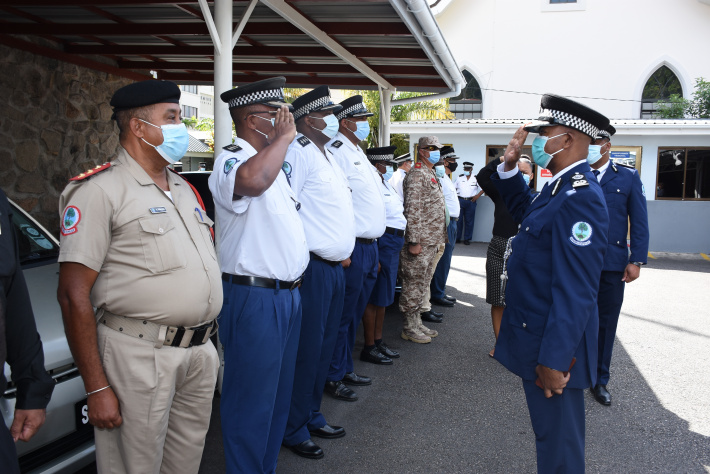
[{"x": 65, "y": 443}]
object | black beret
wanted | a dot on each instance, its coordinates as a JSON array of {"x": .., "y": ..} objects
[
  {"x": 353, "y": 107},
  {"x": 141, "y": 94},
  {"x": 384, "y": 154},
  {"x": 267, "y": 91},
  {"x": 558, "y": 110},
  {"x": 317, "y": 100}
]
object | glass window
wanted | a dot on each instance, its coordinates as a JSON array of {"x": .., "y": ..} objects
[
  {"x": 683, "y": 173},
  {"x": 468, "y": 104},
  {"x": 190, "y": 89},
  {"x": 188, "y": 112},
  {"x": 659, "y": 88},
  {"x": 33, "y": 243}
]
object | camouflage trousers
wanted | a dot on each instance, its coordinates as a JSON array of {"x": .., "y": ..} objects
[
  {"x": 426, "y": 304},
  {"x": 416, "y": 272}
]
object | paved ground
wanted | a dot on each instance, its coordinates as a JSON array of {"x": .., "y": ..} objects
[{"x": 448, "y": 407}]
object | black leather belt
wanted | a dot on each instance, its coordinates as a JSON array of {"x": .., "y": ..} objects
[
  {"x": 365, "y": 241},
  {"x": 261, "y": 282},
  {"x": 453, "y": 219},
  {"x": 466, "y": 199},
  {"x": 198, "y": 336},
  {"x": 315, "y": 256},
  {"x": 395, "y": 232}
]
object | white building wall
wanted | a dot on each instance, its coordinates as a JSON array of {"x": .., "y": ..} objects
[{"x": 607, "y": 50}]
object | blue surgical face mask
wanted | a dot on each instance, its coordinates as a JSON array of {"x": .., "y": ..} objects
[
  {"x": 389, "y": 171},
  {"x": 526, "y": 178},
  {"x": 595, "y": 154},
  {"x": 331, "y": 125},
  {"x": 439, "y": 170},
  {"x": 175, "y": 141},
  {"x": 362, "y": 131},
  {"x": 540, "y": 156},
  {"x": 434, "y": 156},
  {"x": 466, "y": 173}
]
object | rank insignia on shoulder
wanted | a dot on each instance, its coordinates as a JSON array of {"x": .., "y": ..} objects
[
  {"x": 579, "y": 181},
  {"x": 233, "y": 148},
  {"x": 303, "y": 141},
  {"x": 91, "y": 172},
  {"x": 418, "y": 165},
  {"x": 337, "y": 144}
]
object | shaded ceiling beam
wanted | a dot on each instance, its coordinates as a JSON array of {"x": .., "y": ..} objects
[
  {"x": 124, "y": 28},
  {"x": 70, "y": 58},
  {"x": 273, "y": 51},
  {"x": 113, "y": 3},
  {"x": 191, "y": 11}
]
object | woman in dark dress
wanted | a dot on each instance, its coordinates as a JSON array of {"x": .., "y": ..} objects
[{"x": 504, "y": 227}]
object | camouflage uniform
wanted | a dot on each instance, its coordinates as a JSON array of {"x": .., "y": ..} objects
[{"x": 424, "y": 209}]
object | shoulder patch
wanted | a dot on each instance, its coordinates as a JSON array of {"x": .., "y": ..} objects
[
  {"x": 581, "y": 234},
  {"x": 337, "y": 144},
  {"x": 233, "y": 148},
  {"x": 303, "y": 140},
  {"x": 229, "y": 164},
  {"x": 91, "y": 172},
  {"x": 70, "y": 219},
  {"x": 286, "y": 167},
  {"x": 579, "y": 181}
]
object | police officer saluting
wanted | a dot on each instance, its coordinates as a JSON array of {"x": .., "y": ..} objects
[
  {"x": 136, "y": 244},
  {"x": 263, "y": 254},
  {"x": 360, "y": 276},
  {"x": 550, "y": 320},
  {"x": 328, "y": 220},
  {"x": 626, "y": 202}
]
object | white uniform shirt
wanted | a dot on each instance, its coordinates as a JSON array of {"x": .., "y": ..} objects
[
  {"x": 259, "y": 236},
  {"x": 394, "y": 205},
  {"x": 327, "y": 204},
  {"x": 467, "y": 188},
  {"x": 397, "y": 180},
  {"x": 363, "y": 179},
  {"x": 452, "y": 202}
]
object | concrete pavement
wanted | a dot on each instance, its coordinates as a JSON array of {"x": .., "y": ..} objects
[{"x": 448, "y": 407}]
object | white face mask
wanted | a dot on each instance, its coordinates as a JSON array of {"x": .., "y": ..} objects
[{"x": 272, "y": 120}]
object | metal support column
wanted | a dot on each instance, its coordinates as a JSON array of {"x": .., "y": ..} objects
[
  {"x": 385, "y": 116},
  {"x": 222, "y": 73}
]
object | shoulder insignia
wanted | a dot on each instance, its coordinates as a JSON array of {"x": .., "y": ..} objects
[
  {"x": 229, "y": 164},
  {"x": 581, "y": 234},
  {"x": 557, "y": 186},
  {"x": 303, "y": 141},
  {"x": 418, "y": 165},
  {"x": 233, "y": 148},
  {"x": 91, "y": 172},
  {"x": 579, "y": 181},
  {"x": 337, "y": 144},
  {"x": 625, "y": 166}
]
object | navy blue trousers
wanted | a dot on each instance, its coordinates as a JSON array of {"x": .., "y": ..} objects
[
  {"x": 609, "y": 301},
  {"x": 322, "y": 294},
  {"x": 558, "y": 423},
  {"x": 360, "y": 278},
  {"x": 441, "y": 274},
  {"x": 388, "y": 248},
  {"x": 259, "y": 329},
  {"x": 468, "y": 216}
]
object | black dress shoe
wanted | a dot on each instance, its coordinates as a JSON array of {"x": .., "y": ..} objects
[
  {"x": 458, "y": 241},
  {"x": 375, "y": 356},
  {"x": 339, "y": 391},
  {"x": 329, "y": 432},
  {"x": 442, "y": 302},
  {"x": 430, "y": 318},
  {"x": 450, "y": 298},
  {"x": 387, "y": 351},
  {"x": 351, "y": 378},
  {"x": 601, "y": 394},
  {"x": 466, "y": 242},
  {"x": 436, "y": 313},
  {"x": 307, "y": 449}
]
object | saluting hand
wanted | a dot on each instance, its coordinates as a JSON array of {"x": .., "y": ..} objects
[
  {"x": 104, "y": 410},
  {"x": 284, "y": 126},
  {"x": 514, "y": 149},
  {"x": 631, "y": 272},
  {"x": 553, "y": 381}
]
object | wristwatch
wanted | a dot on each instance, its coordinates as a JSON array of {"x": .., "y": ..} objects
[{"x": 638, "y": 264}]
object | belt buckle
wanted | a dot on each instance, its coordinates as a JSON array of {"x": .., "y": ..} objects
[
  {"x": 199, "y": 334},
  {"x": 296, "y": 283}
]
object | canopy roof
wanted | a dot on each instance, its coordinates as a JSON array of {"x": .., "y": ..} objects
[{"x": 133, "y": 37}]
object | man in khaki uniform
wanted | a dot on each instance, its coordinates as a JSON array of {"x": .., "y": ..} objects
[
  {"x": 425, "y": 211},
  {"x": 136, "y": 244}
]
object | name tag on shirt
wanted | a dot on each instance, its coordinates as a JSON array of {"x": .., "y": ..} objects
[{"x": 158, "y": 210}]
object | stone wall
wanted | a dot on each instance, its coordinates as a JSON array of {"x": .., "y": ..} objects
[{"x": 55, "y": 122}]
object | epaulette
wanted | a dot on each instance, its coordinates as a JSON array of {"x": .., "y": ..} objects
[
  {"x": 625, "y": 166},
  {"x": 233, "y": 148},
  {"x": 91, "y": 172},
  {"x": 303, "y": 140},
  {"x": 579, "y": 181},
  {"x": 418, "y": 164},
  {"x": 337, "y": 144}
]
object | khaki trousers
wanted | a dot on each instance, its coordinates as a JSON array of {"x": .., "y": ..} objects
[
  {"x": 165, "y": 396},
  {"x": 426, "y": 304}
]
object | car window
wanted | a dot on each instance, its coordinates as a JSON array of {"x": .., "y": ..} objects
[{"x": 34, "y": 244}]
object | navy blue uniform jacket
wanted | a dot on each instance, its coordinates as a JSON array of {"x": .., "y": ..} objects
[
  {"x": 554, "y": 271},
  {"x": 625, "y": 197}
]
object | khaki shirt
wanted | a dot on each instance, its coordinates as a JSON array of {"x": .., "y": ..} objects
[
  {"x": 424, "y": 207},
  {"x": 154, "y": 256}
]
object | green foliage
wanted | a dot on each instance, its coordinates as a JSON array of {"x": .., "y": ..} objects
[
  {"x": 677, "y": 107},
  {"x": 189, "y": 122}
]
